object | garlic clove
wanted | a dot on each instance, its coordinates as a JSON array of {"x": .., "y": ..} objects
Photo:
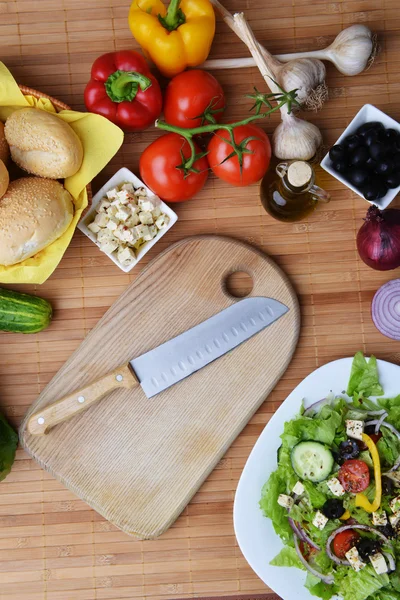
[{"x": 295, "y": 138}]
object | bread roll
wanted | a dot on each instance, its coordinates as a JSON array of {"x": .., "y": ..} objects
[
  {"x": 33, "y": 213},
  {"x": 43, "y": 144},
  {"x": 4, "y": 151},
  {"x": 4, "y": 179}
]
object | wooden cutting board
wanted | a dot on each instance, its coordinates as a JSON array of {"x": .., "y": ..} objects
[{"x": 138, "y": 461}]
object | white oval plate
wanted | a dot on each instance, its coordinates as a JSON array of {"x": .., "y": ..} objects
[{"x": 256, "y": 537}]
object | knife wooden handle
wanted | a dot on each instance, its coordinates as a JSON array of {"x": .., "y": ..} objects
[{"x": 78, "y": 401}]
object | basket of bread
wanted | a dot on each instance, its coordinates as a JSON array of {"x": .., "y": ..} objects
[{"x": 48, "y": 156}]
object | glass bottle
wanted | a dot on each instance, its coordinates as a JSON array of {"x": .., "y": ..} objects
[{"x": 289, "y": 192}]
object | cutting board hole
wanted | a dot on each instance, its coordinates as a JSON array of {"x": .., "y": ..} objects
[{"x": 239, "y": 284}]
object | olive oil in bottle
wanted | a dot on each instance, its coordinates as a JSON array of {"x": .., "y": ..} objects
[{"x": 288, "y": 192}]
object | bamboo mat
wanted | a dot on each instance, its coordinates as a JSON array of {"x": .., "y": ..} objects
[{"x": 52, "y": 546}]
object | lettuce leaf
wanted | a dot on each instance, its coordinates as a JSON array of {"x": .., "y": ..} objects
[
  {"x": 316, "y": 497},
  {"x": 386, "y": 594},
  {"x": 287, "y": 557},
  {"x": 361, "y": 585},
  {"x": 319, "y": 429},
  {"x": 388, "y": 447},
  {"x": 269, "y": 505},
  {"x": 364, "y": 377},
  {"x": 318, "y": 588}
]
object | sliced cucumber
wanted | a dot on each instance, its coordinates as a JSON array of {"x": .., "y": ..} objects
[{"x": 312, "y": 461}]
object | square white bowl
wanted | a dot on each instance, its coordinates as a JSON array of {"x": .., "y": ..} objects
[
  {"x": 124, "y": 175},
  {"x": 367, "y": 113}
]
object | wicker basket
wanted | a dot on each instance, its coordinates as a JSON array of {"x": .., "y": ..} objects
[{"x": 58, "y": 105}]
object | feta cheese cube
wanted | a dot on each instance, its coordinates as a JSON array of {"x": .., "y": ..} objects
[
  {"x": 141, "y": 192},
  {"x": 395, "y": 476},
  {"x": 156, "y": 212},
  {"x": 112, "y": 194},
  {"x": 354, "y": 559},
  {"x": 146, "y": 218},
  {"x": 394, "y": 519},
  {"x": 379, "y": 519},
  {"x": 320, "y": 520},
  {"x": 93, "y": 227},
  {"x": 133, "y": 208},
  {"x": 146, "y": 204},
  {"x": 335, "y": 486},
  {"x": 379, "y": 563},
  {"x": 123, "y": 213},
  {"x": 112, "y": 224},
  {"x": 104, "y": 204},
  {"x": 132, "y": 221},
  {"x": 128, "y": 187},
  {"x": 354, "y": 429},
  {"x": 141, "y": 230},
  {"x": 101, "y": 219},
  {"x": 153, "y": 231},
  {"x": 162, "y": 221},
  {"x": 123, "y": 197},
  {"x": 285, "y": 501},
  {"x": 298, "y": 488},
  {"x": 395, "y": 504},
  {"x": 109, "y": 247},
  {"x": 126, "y": 256}
]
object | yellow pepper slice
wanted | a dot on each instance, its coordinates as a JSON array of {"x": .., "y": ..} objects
[
  {"x": 361, "y": 499},
  {"x": 174, "y": 38},
  {"x": 346, "y": 515}
]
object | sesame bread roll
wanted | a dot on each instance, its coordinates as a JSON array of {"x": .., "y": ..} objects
[
  {"x": 33, "y": 213},
  {"x": 4, "y": 150},
  {"x": 43, "y": 144},
  {"x": 4, "y": 179}
]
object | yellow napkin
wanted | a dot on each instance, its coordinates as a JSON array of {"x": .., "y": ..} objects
[{"x": 100, "y": 138}]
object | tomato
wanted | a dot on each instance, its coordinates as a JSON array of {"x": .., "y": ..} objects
[
  {"x": 159, "y": 169},
  {"x": 354, "y": 476},
  {"x": 189, "y": 95},
  {"x": 307, "y": 550},
  {"x": 255, "y": 162},
  {"x": 375, "y": 437},
  {"x": 344, "y": 541}
]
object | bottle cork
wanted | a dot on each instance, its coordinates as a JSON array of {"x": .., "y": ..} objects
[{"x": 299, "y": 173}]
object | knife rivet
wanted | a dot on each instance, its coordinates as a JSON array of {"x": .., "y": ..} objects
[
  {"x": 81, "y": 399},
  {"x": 40, "y": 420},
  {"x": 119, "y": 377}
]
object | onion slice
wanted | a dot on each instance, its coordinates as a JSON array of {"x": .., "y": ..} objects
[
  {"x": 328, "y": 579},
  {"x": 386, "y": 309},
  {"x": 314, "y": 406},
  {"x": 385, "y": 424},
  {"x": 296, "y": 530},
  {"x": 380, "y": 421},
  {"x": 307, "y": 539},
  {"x": 391, "y": 561},
  {"x": 340, "y": 561}
]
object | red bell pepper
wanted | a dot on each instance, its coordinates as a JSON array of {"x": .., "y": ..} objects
[{"x": 123, "y": 90}]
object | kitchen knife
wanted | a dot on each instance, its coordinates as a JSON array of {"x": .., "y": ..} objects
[{"x": 171, "y": 362}]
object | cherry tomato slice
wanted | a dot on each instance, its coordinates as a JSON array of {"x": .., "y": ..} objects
[
  {"x": 375, "y": 437},
  {"x": 344, "y": 541},
  {"x": 354, "y": 476}
]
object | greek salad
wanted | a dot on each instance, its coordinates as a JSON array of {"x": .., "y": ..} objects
[{"x": 334, "y": 498}]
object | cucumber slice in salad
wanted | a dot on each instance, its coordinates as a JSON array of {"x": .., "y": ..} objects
[{"x": 312, "y": 461}]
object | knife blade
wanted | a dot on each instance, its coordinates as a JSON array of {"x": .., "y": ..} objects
[{"x": 172, "y": 361}]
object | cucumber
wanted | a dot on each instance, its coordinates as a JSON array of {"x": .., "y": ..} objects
[
  {"x": 312, "y": 461},
  {"x": 22, "y": 313}
]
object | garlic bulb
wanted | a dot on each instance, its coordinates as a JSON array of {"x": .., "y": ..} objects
[
  {"x": 296, "y": 138},
  {"x": 307, "y": 76}
]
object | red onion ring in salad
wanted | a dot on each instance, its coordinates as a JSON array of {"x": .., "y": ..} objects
[
  {"x": 296, "y": 530},
  {"x": 385, "y": 424},
  {"x": 340, "y": 561},
  {"x": 328, "y": 579},
  {"x": 380, "y": 421},
  {"x": 312, "y": 407},
  {"x": 390, "y": 559},
  {"x": 385, "y": 309}
]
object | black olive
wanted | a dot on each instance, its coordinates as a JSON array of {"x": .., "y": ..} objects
[
  {"x": 366, "y": 547},
  {"x": 374, "y": 190},
  {"x": 358, "y": 176},
  {"x": 333, "y": 509},
  {"x": 337, "y": 152},
  {"x": 396, "y": 160},
  {"x": 393, "y": 180},
  {"x": 371, "y": 164},
  {"x": 387, "y": 530},
  {"x": 391, "y": 136},
  {"x": 349, "y": 449},
  {"x": 368, "y": 429},
  {"x": 363, "y": 129},
  {"x": 370, "y": 137},
  {"x": 387, "y": 485},
  {"x": 338, "y": 458},
  {"x": 377, "y": 150},
  {"x": 352, "y": 142},
  {"x": 384, "y": 167},
  {"x": 340, "y": 166},
  {"x": 359, "y": 156}
]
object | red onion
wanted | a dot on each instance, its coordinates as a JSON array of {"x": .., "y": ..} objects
[
  {"x": 328, "y": 579},
  {"x": 314, "y": 406},
  {"x": 391, "y": 561},
  {"x": 384, "y": 424},
  {"x": 378, "y": 240},
  {"x": 386, "y": 309},
  {"x": 296, "y": 530},
  {"x": 340, "y": 561},
  {"x": 307, "y": 538},
  {"x": 380, "y": 421}
]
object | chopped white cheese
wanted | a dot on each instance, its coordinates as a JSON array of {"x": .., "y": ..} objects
[
  {"x": 320, "y": 520},
  {"x": 146, "y": 218},
  {"x": 109, "y": 247},
  {"x": 379, "y": 563},
  {"x": 103, "y": 206},
  {"x": 93, "y": 227},
  {"x": 285, "y": 501},
  {"x": 335, "y": 486},
  {"x": 132, "y": 221},
  {"x": 112, "y": 194},
  {"x": 379, "y": 518},
  {"x": 128, "y": 187},
  {"x": 126, "y": 256},
  {"x": 141, "y": 192},
  {"x": 395, "y": 504},
  {"x": 101, "y": 219},
  {"x": 298, "y": 488},
  {"x": 394, "y": 476},
  {"x": 394, "y": 519},
  {"x": 112, "y": 224},
  {"x": 123, "y": 197},
  {"x": 354, "y": 429},
  {"x": 123, "y": 213},
  {"x": 162, "y": 221},
  {"x": 156, "y": 212},
  {"x": 354, "y": 559},
  {"x": 112, "y": 210},
  {"x": 104, "y": 235},
  {"x": 146, "y": 204}
]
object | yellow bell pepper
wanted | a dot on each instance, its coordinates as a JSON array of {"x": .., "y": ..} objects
[
  {"x": 346, "y": 515},
  {"x": 174, "y": 38},
  {"x": 361, "y": 499}
]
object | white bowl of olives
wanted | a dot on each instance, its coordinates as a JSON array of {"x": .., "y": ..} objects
[{"x": 366, "y": 157}]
